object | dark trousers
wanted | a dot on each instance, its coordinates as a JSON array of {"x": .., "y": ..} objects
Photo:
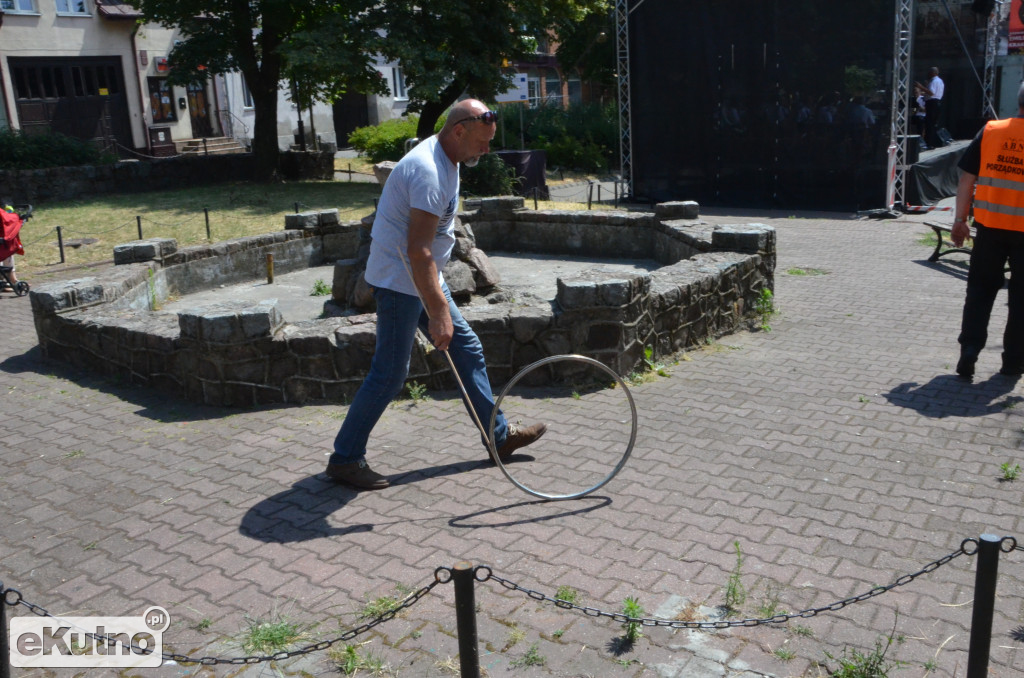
[
  {"x": 931, "y": 122},
  {"x": 993, "y": 248}
]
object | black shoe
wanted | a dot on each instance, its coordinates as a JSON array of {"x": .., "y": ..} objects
[
  {"x": 520, "y": 436},
  {"x": 1012, "y": 369},
  {"x": 358, "y": 474},
  {"x": 965, "y": 368}
]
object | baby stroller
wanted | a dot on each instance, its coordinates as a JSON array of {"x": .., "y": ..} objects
[{"x": 11, "y": 221}]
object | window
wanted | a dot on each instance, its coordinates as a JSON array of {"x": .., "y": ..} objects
[
  {"x": 71, "y": 7},
  {"x": 18, "y": 6},
  {"x": 246, "y": 94},
  {"x": 398, "y": 84},
  {"x": 553, "y": 87},
  {"x": 161, "y": 100}
]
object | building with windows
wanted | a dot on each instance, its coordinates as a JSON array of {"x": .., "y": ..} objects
[{"x": 89, "y": 69}]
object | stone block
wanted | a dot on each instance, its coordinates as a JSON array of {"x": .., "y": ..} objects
[
  {"x": 382, "y": 170},
  {"x": 329, "y": 217},
  {"x": 302, "y": 220},
  {"x": 151, "y": 249},
  {"x": 575, "y": 293},
  {"x": 343, "y": 272},
  {"x": 679, "y": 209},
  {"x": 527, "y": 322},
  {"x": 749, "y": 238},
  {"x": 484, "y": 274},
  {"x": 459, "y": 277}
]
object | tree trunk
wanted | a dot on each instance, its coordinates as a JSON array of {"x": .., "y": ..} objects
[
  {"x": 263, "y": 84},
  {"x": 432, "y": 110}
]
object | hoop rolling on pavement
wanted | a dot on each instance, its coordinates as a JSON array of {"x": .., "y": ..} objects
[{"x": 594, "y": 422}]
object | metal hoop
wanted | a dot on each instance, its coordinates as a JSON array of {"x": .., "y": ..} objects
[{"x": 522, "y": 373}]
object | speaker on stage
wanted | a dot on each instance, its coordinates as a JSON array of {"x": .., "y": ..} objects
[{"x": 983, "y": 6}]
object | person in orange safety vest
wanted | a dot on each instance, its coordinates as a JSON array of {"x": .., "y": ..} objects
[{"x": 992, "y": 179}]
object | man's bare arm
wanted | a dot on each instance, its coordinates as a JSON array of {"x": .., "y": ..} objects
[{"x": 422, "y": 230}]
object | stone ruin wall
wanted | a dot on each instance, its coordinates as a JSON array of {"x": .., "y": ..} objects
[{"x": 244, "y": 354}]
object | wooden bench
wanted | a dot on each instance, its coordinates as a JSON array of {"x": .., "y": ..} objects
[{"x": 941, "y": 231}]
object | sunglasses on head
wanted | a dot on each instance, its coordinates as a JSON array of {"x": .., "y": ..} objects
[{"x": 488, "y": 118}]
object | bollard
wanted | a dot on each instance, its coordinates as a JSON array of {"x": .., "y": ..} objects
[
  {"x": 599, "y": 194},
  {"x": 590, "y": 193},
  {"x": 206, "y": 151},
  {"x": 615, "y": 190},
  {"x": 206, "y": 214},
  {"x": 984, "y": 605},
  {"x": 350, "y": 173},
  {"x": 60, "y": 244},
  {"x": 535, "y": 192},
  {"x": 138, "y": 223},
  {"x": 270, "y": 268},
  {"x": 463, "y": 578},
  {"x": 5, "y": 650},
  {"x": 296, "y": 208}
]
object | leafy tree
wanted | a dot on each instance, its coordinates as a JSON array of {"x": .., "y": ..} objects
[
  {"x": 319, "y": 44},
  {"x": 589, "y": 46},
  {"x": 450, "y": 47}
]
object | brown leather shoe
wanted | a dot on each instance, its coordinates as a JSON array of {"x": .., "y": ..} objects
[
  {"x": 520, "y": 436},
  {"x": 358, "y": 474}
]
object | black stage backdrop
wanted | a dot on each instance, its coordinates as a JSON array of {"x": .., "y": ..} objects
[{"x": 761, "y": 103}]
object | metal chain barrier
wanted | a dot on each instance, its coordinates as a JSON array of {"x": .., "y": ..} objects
[
  {"x": 442, "y": 575},
  {"x": 483, "y": 573}
]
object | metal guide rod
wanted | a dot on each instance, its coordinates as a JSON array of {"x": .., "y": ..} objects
[
  {"x": 5, "y": 650},
  {"x": 465, "y": 394}
]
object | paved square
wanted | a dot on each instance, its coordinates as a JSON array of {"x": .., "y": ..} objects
[{"x": 837, "y": 450}]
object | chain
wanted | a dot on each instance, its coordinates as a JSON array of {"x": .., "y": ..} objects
[
  {"x": 675, "y": 624},
  {"x": 442, "y": 575}
]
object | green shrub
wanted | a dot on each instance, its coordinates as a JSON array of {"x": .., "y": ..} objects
[
  {"x": 36, "y": 151},
  {"x": 385, "y": 141},
  {"x": 581, "y": 137},
  {"x": 491, "y": 176}
]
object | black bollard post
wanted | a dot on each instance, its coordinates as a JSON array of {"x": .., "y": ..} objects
[
  {"x": 60, "y": 244},
  {"x": 5, "y": 650},
  {"x": 590, "y": 193},
  {"x": 615, "y": 191},
  {"x": 206, "y": 214},
  {"x": 350, "y": 173},
  {"x": 464, "y": 578},
  {"x": 535, "y": 191},
  {"x": 599, "y": 194},
  {"x": 296, "y": 208},
  {"x": 138, "y": 222},
  {"x": 984, "y": 605}
]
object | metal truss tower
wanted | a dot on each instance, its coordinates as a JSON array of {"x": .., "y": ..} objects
[
  {"x": 988, "y": 107},
  {"x": 625, "y": 125},
  {"x": 901, "y": 95}
]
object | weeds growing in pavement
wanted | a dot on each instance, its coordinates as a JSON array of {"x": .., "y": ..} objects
[
  {"x": 765, "y": 307},
  {"x": 770, "y": 603},
  {"x": 784, "y": 653},
  {"x": 351, "y": 662},
  {"x": 735, "y": 592},
  {"x": 1010, "y": 471},
  {"x": 320, "y": 288},
  {"x": 417, "y": 391},
  {"x": 204, "y": 624},
  {"x": 268, "y": 637},
  {"x": 567, "y": 593},
  {"x": 533, "y": 657},
  {"x": 378, "y": 606},
  {"x": 631, "y": 607},
  {"x": 853, "y": 663}
]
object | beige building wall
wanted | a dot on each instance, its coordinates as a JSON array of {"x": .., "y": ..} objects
[{"x": 44, "y": 32}]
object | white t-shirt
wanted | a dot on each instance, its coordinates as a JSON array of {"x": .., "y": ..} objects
[
  {"x": 425, "y": 179},
  {"x": 937, "y": 87}
]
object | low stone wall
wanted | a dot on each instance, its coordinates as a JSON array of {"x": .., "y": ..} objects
[
  {"x": 239, "y": 354},
  {"x": 69, "y": 183}
]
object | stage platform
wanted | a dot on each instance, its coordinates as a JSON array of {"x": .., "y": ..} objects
[{"x": 935, "y": 175}]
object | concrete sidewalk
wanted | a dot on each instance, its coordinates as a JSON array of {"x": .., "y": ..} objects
[{"x": 837, "y": 453}]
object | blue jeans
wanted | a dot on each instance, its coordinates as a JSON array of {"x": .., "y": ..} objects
[{"x": 398, "y": 315}]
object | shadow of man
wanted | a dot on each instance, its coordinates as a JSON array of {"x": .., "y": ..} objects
[{"x": 949, "y": 396}]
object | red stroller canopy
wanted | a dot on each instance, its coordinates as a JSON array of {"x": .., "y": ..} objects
[{"x": 10, "y": 227}]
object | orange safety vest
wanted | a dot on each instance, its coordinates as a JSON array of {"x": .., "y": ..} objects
[{"x": 999, "y": 194}]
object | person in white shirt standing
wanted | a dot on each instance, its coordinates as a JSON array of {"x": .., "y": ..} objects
[{"x": 932, "y": 93}]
